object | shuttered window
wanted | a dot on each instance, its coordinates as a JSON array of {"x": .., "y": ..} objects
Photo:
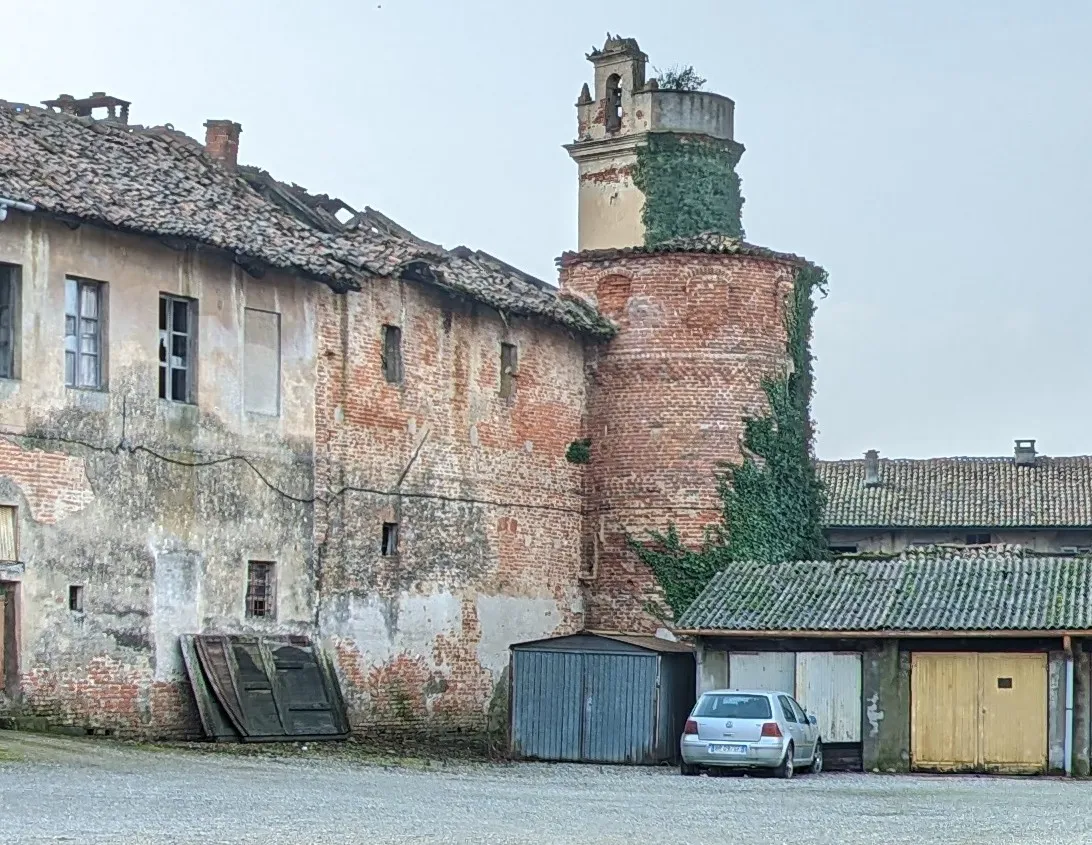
[
  {"x": 8, "y": 550},
  {"x": 262, "y": 362}
]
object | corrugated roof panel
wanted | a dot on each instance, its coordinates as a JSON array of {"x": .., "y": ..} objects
[{"x": 983, "y": 588}]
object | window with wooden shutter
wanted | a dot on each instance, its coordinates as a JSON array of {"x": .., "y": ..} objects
[
  {"x": 8, "y": 548},
  {"x": 262, "y": 362}
]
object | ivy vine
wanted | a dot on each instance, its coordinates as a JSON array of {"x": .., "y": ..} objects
[
  {"x": 579, "y": 452},
  {"x": 690, "y": 186},
  {"x": 772, "y": 503}
]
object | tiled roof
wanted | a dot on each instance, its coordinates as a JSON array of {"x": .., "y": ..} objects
[
  {"x": 709, "y": 242},
  {"x": 160, "y": 182},
  {"x": 960, "y": 493},
  {"x": 984, "y": 588}
]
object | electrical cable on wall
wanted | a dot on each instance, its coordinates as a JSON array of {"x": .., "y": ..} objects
[{"x": 123, "y": 448}]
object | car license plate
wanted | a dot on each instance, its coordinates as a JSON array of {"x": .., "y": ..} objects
[{"x": 721, "y": 748}]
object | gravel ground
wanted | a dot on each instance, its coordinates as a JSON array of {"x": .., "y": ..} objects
[{"x": 70, "y": 790}]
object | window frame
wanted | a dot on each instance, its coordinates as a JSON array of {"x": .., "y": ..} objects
[
  {"x": 268, "y": 587},
  {"x": 976, "y": 539},
  {"x": 166, "y": 337},
  {"x": 73, "y": 342},
  {"x": 393, "y": 367},
  {"x": 14, "y": 509},
  {"x": 786, "y": 709},
  {"x": 12, "y": 276},
  {"x": 388, "y": 539}
]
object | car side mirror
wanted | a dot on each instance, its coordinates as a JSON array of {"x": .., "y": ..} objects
[{"x": 812, "y": 720}]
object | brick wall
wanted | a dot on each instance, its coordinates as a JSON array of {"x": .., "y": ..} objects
[
  {"x": 111, "y": 696},
  {"x": 489, "y": 511},
  {"x": 666, "y": 401}
]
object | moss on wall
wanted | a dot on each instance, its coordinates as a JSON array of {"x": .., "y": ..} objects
[
  {"x": 690, "y": 187},
  {"x": 773, "y": 501}
]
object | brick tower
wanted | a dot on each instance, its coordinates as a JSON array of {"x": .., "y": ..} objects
[{"x": 701, "y": 318}]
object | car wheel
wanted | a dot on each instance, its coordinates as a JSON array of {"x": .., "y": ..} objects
[
  {"x": 785, "y": 769},
  {"x": 817, "y": 759},
  {"x": 688, "y": 769}
]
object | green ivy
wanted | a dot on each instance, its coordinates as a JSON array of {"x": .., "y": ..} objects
[
  {"x": 579, "y": 452},
  {"x": 772, "y": 503},
  {"x": 691, "y": 187}
]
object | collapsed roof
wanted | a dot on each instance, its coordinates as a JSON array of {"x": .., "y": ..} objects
[{"x": 158, "y": 181}]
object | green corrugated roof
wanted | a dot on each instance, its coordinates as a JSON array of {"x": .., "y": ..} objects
[{"x": 985, "y": 588}]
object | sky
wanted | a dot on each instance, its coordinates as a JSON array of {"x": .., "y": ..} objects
[{"x": 935, "y": 157}]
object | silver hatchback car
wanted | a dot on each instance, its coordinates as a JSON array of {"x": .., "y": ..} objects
[{"x": 750, "y": 729}]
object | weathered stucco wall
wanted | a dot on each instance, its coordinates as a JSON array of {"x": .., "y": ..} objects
[
  {"x": 609, "y": 204},
  {"x": 488, "y": 510},
  {"x": 872, "y": 540},
  {"x": 160, "y": 547},
  {"x": 666, "y": 402}
]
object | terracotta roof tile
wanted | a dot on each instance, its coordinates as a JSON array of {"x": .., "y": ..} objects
[
  {"x": 960, "y": 493},
  {"x": 709, "y": 242},
  {"x": 157, "y": 181}
]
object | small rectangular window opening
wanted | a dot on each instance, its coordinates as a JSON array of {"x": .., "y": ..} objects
[
  {"x": 75, "y": 598},
  {"x": 509, "y": 366},
  {"x": 177, "y": 341},
  {"x": 260, "y": 587},
  {"x": 978, "y": 539},
  {"x": 844, "y": 550},
  {"x": 392, "y": 354},
  {"x": 83, "y": 333},
  {"x": 9, "y": 319},
  {"x": 390, "y": 538},
  {"x": 1004, "y": 683},
  {"x": 9, "y": 549}
]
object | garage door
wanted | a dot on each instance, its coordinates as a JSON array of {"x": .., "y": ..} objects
[
  {"x": 978, "y": 712},
  {"x": 764, "y": 670}
]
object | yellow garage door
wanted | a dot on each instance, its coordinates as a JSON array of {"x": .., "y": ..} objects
[{"x": 978, "y": 712}]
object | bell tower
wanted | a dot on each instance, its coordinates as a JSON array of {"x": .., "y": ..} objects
[{"x": 630, "y": 133}]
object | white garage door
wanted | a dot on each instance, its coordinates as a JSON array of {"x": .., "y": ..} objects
[
  {"x": 765, "y": 670},
  {"x": 828, "y": 684}
]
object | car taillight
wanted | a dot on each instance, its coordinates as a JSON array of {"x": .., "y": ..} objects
[
  {"x": 771, "y": 729},
  {"x": 691, "y": 727}
]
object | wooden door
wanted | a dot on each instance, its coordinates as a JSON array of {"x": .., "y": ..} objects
[
  {"x": 1012, "y": 712},
  {"x": 828, "y": 685},
  {"x": 978, "y": 712},
  {"x": 714, "y": 670},
  {"x": 944, "y": 711},
  {"x": 774, "y": 671}
]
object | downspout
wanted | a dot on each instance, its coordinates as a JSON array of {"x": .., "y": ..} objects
[
  {"x": 5, "y": 204},
  {"x": 1068, "y": 646}
]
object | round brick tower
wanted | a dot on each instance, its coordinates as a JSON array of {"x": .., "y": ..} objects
[{"x": 701, "y": 320}]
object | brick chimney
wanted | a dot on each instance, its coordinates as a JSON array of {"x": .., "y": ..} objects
[
  {"x": 872, "y": 468},
  {"x": 222, "y": 141}
]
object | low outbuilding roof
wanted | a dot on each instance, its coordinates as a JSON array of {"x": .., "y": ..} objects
[{"x": 932, "y": 589}]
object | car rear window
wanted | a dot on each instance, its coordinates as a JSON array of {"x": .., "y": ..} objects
[{"x": 730, "y": 706}]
